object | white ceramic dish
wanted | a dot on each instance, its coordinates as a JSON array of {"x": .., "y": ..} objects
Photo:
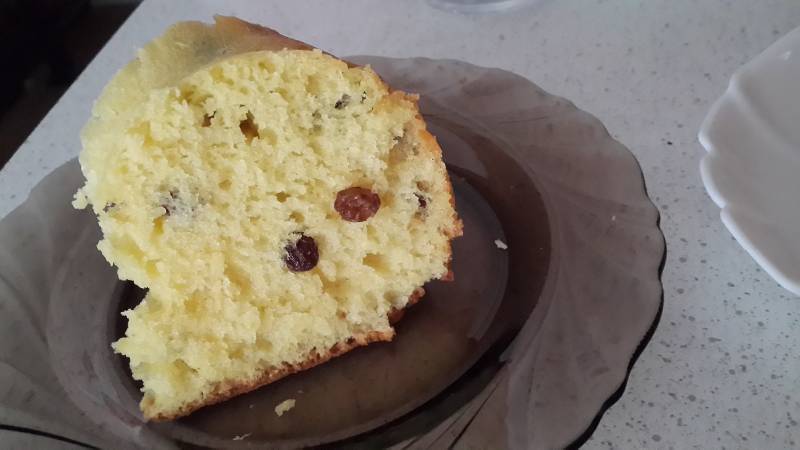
[{"x": 752, "y": 169}]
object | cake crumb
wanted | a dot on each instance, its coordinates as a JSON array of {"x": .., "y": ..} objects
[
  {"x": 284, "y": 406},
  {"x": 500, "y": 244},
  {"x": 242, "y": 437}
]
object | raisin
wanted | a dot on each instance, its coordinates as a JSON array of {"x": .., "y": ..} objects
[
  {"x": 302, "y": 255},
  {"x": 109, "y": 207},
  {"x": 421, "y": 200},
  {"x": 342, "y": 102},
  {"x": 363, "y": 96},
  {"x": 207, "y": 119},
  {"x": 356, "y": 204}
]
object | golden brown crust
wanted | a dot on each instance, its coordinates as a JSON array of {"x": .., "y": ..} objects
[
  {"x": 239, "y": 36},
  {"x": 397, "y": 313},
  {"x": 449, "y": 276},
  {"x": 242, "y": 36}
]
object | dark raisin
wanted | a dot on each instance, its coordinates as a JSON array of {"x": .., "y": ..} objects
[
  {"x": 342, "y": 102},
  {"x": 421, "y": 200},
  {"x": 357, "y": 204},
  {"x": 207, "y": 119},
  {"x": 109, "y": 206},
  {"x": 301, "y": 255},
  {"x": 363, "y": 96}
]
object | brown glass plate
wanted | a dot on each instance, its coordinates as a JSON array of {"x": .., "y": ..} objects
[{"x": 521, "y": 350}]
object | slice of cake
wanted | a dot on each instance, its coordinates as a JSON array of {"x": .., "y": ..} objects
[{"x": 278, "y": 204}]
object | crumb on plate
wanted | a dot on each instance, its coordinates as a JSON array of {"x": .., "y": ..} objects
[{"x": 284, "y": 406}]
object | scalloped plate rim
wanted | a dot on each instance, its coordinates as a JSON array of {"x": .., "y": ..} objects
[
  {"x": 789, "y": 42},
  {"x": 617, "y": 391}
]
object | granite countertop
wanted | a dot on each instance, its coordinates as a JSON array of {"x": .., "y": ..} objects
[{"x": 722, "y": 370}]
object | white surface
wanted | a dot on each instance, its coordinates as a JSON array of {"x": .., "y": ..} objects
[
  {"x": 722, "y": 370},
  {"x": 752, "y": 170}
]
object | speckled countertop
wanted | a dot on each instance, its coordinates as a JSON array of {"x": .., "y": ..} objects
[{"x": 723, "y": 369}]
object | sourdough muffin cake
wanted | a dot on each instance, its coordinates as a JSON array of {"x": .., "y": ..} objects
[{"x": 278, "y": 204}]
